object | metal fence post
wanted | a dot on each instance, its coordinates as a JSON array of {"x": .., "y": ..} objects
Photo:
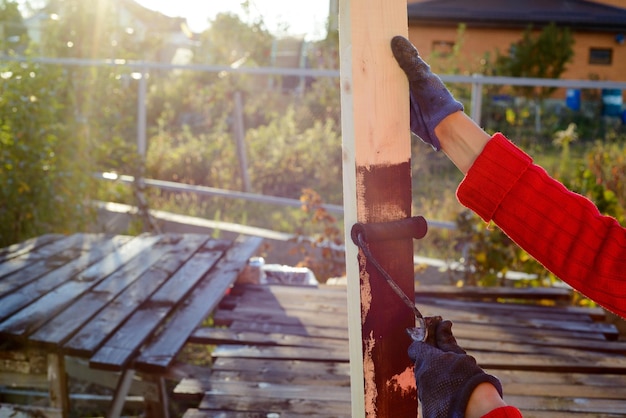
[
  {"x": 141, "y": 114},
  {"x": 477, "y": 98},
  {"x": 239, "y": 133}
]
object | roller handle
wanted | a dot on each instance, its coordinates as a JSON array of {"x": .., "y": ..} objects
[{"x": 414, "y": 227}]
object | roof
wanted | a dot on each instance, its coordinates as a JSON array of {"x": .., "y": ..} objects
[
  {"x": 157, "y": 21},
  {"x": 577, "y": 14}
]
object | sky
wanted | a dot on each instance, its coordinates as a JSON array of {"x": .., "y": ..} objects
[{"x": 300, "y": 17}]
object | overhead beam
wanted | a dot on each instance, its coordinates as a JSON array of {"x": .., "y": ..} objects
[{"x": 377, "y": 188}]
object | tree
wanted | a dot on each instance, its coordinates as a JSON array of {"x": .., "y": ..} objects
[
  {"x": 543, "y": 55},
  {"x": 13, "y": 33},
  {"x": 230, "y": 40},
  {"x": 43, "y": 164}
]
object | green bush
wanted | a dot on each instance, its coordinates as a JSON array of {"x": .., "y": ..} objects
[{"x": 43, "y": 162}]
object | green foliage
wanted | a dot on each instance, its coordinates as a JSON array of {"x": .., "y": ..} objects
[
  {"x": 288, "y": 160},
  {"x": 230, "y": 41},
  {"x": 489, "y": 254},
  {"x": 42, "y": 161},
  {"x": 544, "y": 55},
  {"x": 13, "y": 33},
  {"x": 603, "y": 178},
  {"x": 323, "y": 255}
]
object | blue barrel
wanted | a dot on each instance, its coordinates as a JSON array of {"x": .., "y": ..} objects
[
  {"x": 612, "y": 102},
  {"x": 572, "y": 99}
]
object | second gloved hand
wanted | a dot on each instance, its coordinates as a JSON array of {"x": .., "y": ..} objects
[
  {"x": 446, "y": 379},
  {"x": 431, "y": 101}
]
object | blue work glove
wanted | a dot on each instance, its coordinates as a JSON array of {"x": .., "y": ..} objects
[
  {"x": 445, "y": 375},
  {"x": 430, "y": 100}
]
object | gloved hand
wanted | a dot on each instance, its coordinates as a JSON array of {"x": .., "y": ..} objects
[
  {"x": 430, "y": 100},
  {"x": 445, "y": 375}
]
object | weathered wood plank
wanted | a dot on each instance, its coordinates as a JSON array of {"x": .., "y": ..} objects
[
  {"x": 298, "y": 329},
  {"x": 265, "y": 406},
  {"x": 494, "y": 293},
  {"x": 65, "y": 324},
  {"x": 581, "y": 363},
  {"x": 279, "y": 391},
  {"x": 45, "y": 260},
  {"x": 520, "y": 344},
  {"x": 214, "y": 405},
  {"x": 28, "y": 246},
  {"x": 552, "y": 378},
  {"x": 470, "y": 335},
  {"x": 296, "y": 372},
  {"x": 586, "y": 363},
  {"x": 316, "y": 373},
  {"x": 537, "y": 355},
  {"x": 530, "y": 320},
  {"x": 277, "y": 317},
  {"x": 24, "y": 411},
  {"x": 160, "y": 353},
  {"x": 333, "y": 298},
  {"x": 32, "y": 316},
  {"x": 284, "y": 369},
  {"x": 513, "y": 308},
  {"x": 587, "y": 391},
  {"x": 12, "y": 302},
  {"x": 288, "y": 302},
  {"x": 194, "y": 269},
  {"x": 442, "y": 291},
  {"x": 497, "y": 330},
  {"x": 198, "y": 413},
  {"x": 218, "y": 336},
  {"x": 117, "y": 351},
  {"x": 570, "y": 405},
  {"x": 557, "y": 414},
  {"x": 282, "y": 353},
  {"x": 470, "y": 331},
  {"x": 27, "y": 266},
  {"x": 92, "y": 335}
]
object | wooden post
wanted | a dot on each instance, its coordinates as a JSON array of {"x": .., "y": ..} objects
[
  {"x": 377, "y": 188},
  {"x": 57, "y": 378}
]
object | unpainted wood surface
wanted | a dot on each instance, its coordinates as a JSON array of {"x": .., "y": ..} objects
[{"x": 285, "y": 351}]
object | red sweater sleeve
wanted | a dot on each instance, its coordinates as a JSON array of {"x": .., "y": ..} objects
[
  {"x": 562, "y": 230},
  {"x": 504, "y": 412}
]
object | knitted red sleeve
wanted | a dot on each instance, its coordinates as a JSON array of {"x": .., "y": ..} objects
[
  {"x": 562, "y": 230},
  {"x": 504, "y": 412}
]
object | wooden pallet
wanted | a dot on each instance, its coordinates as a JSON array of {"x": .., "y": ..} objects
[{"x": 284, "y": 350}]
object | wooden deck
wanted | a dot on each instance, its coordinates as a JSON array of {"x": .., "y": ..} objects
[
  {"x": 115, "y": 308},
  {"x": 284, "y": 352}
]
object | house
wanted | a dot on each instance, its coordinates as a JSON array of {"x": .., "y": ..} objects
[
  {"x": 132, "y": 20},
  {"x": 175, "y": 32},
  {"x": 599, "y": 30}
]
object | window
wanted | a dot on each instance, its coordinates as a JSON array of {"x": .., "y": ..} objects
[
  {"x": 443, "y": 48},
  {"x": 601, "y": 56}
]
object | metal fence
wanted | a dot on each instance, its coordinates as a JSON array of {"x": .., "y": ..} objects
[{"x": 141, "y": 74}]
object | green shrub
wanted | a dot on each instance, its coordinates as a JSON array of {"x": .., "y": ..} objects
[{"x": 44, "y": 164}]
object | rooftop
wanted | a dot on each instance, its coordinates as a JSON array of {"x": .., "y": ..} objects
[{"x": 577, "y": 14}]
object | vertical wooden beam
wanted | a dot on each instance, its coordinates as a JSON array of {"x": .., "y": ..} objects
[
  {"x": 57, "y": 379},
  {"x": 377, "y": 188}
]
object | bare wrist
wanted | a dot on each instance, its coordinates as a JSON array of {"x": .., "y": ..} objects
[
  {"x": 484, "y": 399},
  {"x": 461, "y": 139}
]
